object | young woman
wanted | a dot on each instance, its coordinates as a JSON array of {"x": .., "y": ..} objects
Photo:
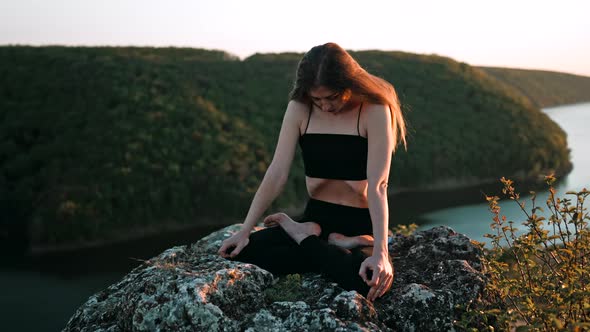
[{"x": 347, "y": 123}]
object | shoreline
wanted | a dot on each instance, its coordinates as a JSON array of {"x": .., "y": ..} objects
[
  {"x": 468, "y": 183},
  {"x": 443, "y": 194},
  {"x": 144, "y": 234},
  {"x": 550, "y": 108}
]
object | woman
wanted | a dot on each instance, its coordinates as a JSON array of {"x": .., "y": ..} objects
[{"x": 348, "y": 123}]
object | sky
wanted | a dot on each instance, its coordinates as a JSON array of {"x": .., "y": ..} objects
[{"x": 542, "y": 34}]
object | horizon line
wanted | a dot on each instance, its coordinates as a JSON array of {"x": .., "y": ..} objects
[{"x": 242, "y": 58}]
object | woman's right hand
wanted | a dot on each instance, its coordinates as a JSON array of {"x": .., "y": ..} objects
[{"x": 237, "y": 241}]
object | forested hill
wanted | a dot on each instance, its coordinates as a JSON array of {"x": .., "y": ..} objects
[
  {"x": 545, "y": 88},
  {"x": 97, "y": 142}
]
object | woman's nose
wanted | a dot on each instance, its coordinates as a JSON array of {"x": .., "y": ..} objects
[{"x": 325, "y": 105}]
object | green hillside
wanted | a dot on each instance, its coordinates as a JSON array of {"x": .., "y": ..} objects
[
  {"x": 98, "y": 142},
  {"x": 545, "y": 88}
]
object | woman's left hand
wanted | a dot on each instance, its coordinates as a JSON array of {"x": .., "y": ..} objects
[{"x": 382, "y": 277}]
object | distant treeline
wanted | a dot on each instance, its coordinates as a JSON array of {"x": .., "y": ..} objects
[
  {"x": 545, "y": 88},
  {"x": 96, "y": 143}
]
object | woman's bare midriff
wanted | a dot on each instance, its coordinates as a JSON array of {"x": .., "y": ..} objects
[{"x": 343, "y": 192}]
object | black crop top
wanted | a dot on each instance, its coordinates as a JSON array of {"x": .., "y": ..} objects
[{"x": 334, "y": 156}]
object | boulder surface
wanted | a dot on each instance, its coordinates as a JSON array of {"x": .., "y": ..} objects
[{"x": 191, "y": 288}]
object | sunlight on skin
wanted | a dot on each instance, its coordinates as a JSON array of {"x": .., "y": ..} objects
[
  {"x": 299, "y": 231},
  {"x": 349, "y": 242}
]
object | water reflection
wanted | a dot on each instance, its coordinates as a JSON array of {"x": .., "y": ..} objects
[{"x": 474, "y": 220}]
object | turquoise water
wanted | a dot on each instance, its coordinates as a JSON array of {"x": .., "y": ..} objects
[
  {"x": 474, "y": 220},
  {"x": 41, "y": 293}
]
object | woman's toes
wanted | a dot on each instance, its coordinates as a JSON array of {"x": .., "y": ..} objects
[
  {"x": 334, "y": 237},
  {"x": 276, "y": 219},
  {"x": 314, "y": 228},
  {"x": 365, "y": 240},
  {"x": 282, "y": 217}
]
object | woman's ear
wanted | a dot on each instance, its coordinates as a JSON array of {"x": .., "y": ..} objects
[{"x": 346, "y": 95}]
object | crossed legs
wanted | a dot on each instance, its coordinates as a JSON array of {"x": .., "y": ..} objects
[
  {"x": 297, "y": 248},
  {"x": 299, "y": 231},
  {"x": 332, "y": 258}
]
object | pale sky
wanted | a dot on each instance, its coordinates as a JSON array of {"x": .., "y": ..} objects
[{"x": 542, "y": 34}]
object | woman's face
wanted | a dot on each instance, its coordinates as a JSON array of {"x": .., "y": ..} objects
[{"x": 329, "y": 100}]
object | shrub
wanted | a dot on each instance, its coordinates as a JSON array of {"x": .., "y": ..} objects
[
  {"x": 406, "y": 230},
  {"x": 538, "y": 278}
]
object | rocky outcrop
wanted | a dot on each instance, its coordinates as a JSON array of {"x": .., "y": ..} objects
[{"x": 191, "y": 288}]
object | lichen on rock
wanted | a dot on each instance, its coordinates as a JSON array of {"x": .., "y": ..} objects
[{"x": 191, "y": 288}]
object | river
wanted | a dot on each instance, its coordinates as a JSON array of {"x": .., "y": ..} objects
[
  {"x": 41, "y": 293},
  {"x": 474, "y": 220}
]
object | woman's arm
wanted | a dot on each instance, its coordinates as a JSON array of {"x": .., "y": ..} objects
[
  {"x": 379, "y": 135},
  {"x": 274, "y": 179},
  {"x": 278, "y": 171}
]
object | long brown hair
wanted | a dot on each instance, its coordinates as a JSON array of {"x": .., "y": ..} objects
[{"x": 329, "y": 65}]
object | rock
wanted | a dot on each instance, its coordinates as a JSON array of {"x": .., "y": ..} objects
[{"x": 191, "y": 288}]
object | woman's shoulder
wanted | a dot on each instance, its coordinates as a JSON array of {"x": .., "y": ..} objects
[
  {"x": 376, "y": 112},
  {"x": 376, "y": 119},
  {"x": 375, "y": 107},
  {"x": 297, "y": 107},
  {"x": 297, "y": 110}
]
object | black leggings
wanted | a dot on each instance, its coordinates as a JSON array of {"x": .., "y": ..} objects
[{"x": 273, "y": 250}]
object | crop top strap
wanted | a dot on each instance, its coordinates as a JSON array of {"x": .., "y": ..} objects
[
  {"x": 358, "y": 121},
  {"x": 308, "y": 118}
]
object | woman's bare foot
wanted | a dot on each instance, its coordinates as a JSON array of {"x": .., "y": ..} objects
[
  {"x": 349, "y": 242},
  {"x": 297, "y": 231}
]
